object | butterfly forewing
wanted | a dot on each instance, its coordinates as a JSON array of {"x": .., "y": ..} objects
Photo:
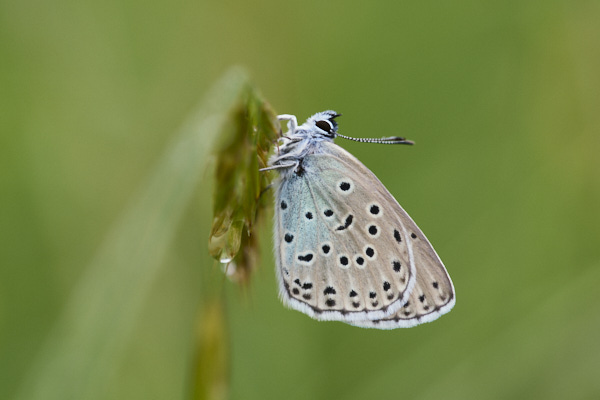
[
  {"x": 432, "y": 294},
  {"x": 341, "y": 241}
]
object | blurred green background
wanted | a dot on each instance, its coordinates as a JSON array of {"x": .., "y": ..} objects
[{"x": 502, "y": 99}]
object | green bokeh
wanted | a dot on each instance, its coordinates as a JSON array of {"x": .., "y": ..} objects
[{"x": 501, "y": 99}]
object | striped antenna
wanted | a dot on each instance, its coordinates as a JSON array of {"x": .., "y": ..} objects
[{"x": 385, "y": 140}]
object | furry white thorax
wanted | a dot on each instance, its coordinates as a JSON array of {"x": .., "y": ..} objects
[{"x": 300, "y": 141}]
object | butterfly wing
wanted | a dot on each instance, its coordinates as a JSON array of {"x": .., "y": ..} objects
[
  {"x": 342, "y": 241},
  {"x": 347, "y": 251},
  {"x": 433, "y": 292},
  {"x": 432, "y": 295}
]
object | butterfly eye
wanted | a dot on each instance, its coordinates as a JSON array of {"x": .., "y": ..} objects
[{"x": 324, "y": 125}]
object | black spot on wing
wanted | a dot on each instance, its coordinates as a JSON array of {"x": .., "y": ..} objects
[
  {"x": 329, "y": 290},
  {"x": 305, "y": 258},
  {"x": 373, "y": 230},
  {"x": 397, "y": 236},
  {"x": 347, "y": 223}
]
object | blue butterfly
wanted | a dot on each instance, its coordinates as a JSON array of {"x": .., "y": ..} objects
[{"x": 345, "y": 249}]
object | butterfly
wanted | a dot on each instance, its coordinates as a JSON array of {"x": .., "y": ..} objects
[{"x": 345, "y": 249}]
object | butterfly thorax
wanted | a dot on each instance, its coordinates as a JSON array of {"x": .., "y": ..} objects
[{"x": 293, "y": 152}]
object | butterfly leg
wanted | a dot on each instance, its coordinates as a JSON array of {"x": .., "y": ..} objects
[
  {"x": 292, "y": 122},
  {"x": 278, "y": 166}
]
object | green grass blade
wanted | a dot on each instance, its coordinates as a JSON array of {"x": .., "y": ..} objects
[{"x": 81, "y": 353}]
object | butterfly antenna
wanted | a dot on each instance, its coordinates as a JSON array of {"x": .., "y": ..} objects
[{"x": 385, "y": 140}]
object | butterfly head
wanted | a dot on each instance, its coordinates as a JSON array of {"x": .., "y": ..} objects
[{"x": 322, "y": 124}]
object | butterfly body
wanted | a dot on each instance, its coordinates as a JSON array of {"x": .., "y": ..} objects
[{"x": 345, "y": 249}]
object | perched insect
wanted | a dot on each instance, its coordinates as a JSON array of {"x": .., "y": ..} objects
[{"x": 345, "y": 249}]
